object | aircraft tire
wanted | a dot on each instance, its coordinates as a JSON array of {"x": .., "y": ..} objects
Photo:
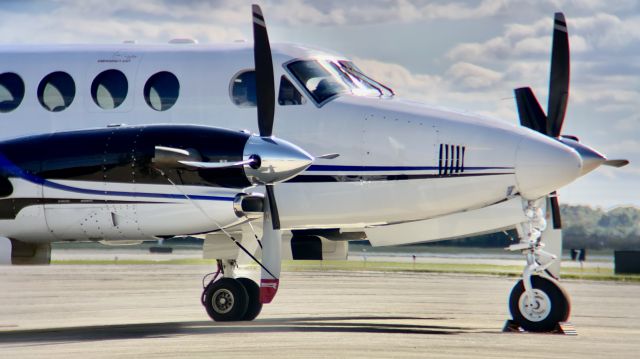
[
  {"x": 551, "y": 305},
  {"x": 254, "y": 306},
  {"x": 226, "y": 300}
]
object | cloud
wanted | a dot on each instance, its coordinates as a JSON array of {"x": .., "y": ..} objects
[
  {"x": 473, "y": 76},
  {"x": 605, "y": 57},
  {"x": 402, "y": 81},
  {"x": 463, "y": 86},
  {"x": 226, "y": 14}
]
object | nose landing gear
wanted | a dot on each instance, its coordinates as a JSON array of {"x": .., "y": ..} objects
[{"x": 537, "y": 303}]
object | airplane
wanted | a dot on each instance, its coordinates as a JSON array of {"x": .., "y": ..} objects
[{"x": 130, "y": 142}]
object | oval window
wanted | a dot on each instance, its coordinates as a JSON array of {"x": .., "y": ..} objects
[
  {"x": 109, "y": 89},
  {"x": 161, "y": 91},
  {"x": 11, "y": 91},
  {"x": 56, "y": 91},
  {"x": 243, "y": 89}
]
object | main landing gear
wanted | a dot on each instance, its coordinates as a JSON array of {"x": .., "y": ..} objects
[
  {"x": 229, "y": 299},
  {"x": 537, "y": 303}
]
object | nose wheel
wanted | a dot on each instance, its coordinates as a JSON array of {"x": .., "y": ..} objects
[{"x": 542, "y": 308}]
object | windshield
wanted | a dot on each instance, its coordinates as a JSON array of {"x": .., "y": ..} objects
[{"x": 326, "y": 79}]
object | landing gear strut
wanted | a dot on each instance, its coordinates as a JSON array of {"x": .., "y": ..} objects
[
  {"x": 537, "y": 303},
  {"x": 231, "y": 299}
]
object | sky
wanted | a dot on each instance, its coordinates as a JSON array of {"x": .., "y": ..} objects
[{"x": 466, "y": 55}]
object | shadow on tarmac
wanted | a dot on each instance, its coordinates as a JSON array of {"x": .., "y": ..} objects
[{"x": 370, "y": 324}]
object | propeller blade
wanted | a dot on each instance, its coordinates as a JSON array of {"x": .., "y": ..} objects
[
  {"x": 213, "y": 165},
  {"x": 559, "y": 77},
  {"x": 616, "y": 163},
  {"x": 529, "y": 110},
  {"x": 271, "y": 249},
  {"x": 555, "y": 211},
  {"x": 273, "y": 208},
  {"x": 265, "y": 90}
]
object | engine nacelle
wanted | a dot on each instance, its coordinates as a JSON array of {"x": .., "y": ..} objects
[{"x": 21, "y": 253}]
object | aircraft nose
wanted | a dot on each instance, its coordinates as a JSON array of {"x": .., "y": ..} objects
[{"x": 543, "y": 165}]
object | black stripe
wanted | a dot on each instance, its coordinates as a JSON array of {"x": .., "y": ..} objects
[
  {"x": 446, "y": 159},
  {"x": 376, "y": 178},
  {"x": 451, "y": 159},
  {"x": 258, "y": 16},
  {"x": 560, "y": 22},
  {"x": 457, "y": 159},
  {"x": 462, "y": 164},
  {"x": 440, "y": 160}
]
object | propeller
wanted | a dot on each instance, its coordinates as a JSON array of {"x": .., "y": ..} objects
[
  {"x": 288, "y": 161},
  {"x": 531, "y": 113},
  {"x": 265, "y": 95},
  {"x": 266, "y": 160},
  {"x": 533, "y": 116}
]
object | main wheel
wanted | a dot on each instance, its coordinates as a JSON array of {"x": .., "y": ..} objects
[
  {"x": 550, "y": 305},
  {"x": 254, "y": 306},
  {"x": 226, "y": 300}
]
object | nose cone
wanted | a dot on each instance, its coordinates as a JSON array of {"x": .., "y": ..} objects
[
  {"x": 591, "y": 159},
  {"x": 543, "y": 165},
  {"x": 275, "y": 160}
]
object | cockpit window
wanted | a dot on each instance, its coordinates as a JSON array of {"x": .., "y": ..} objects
[
  {"x": 365, "y": 80},
  {"x": 319, "y": 78},
  {"x": 326, "y": 79},
  {"x": 288, "y": 94}
]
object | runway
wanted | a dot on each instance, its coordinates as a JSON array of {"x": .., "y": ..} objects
[{"x": 95, "y": 311}]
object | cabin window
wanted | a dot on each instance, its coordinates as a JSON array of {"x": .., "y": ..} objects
[
  {"x": 161, "y": 91},
  {"x": 56, "y": 91},
  {"x": 243, "y": 89},
  {"x": 288, "y": 94},
  {"x": 109, "y": 89},
  {"x": 11, "y": 91}
]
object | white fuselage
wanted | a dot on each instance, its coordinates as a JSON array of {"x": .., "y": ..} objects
[{"x": 392, "y": 167}]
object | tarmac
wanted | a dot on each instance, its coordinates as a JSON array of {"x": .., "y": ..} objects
[{"x": 112, "y": 311}]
